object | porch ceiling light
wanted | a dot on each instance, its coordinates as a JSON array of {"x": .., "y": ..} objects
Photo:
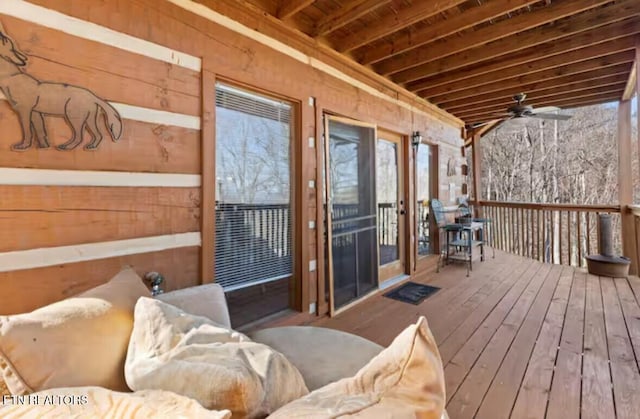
[{"x": 416, "y": 139}]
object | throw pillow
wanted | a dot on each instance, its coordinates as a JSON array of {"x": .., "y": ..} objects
[
  {"x": 195, "y": 357},
  {"x": 98, "y": 402},
  {"x": 80, "y": 341},
  {"x": 203, "y": 300},
  {"x": 406, "y": 380},
  {"x": 4, "y": 391}
]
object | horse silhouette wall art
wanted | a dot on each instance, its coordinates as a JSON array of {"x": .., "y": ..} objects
[{"x": 33, "y": 99}]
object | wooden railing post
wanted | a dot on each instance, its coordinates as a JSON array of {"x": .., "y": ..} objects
[
  {"x": 625, "y": 185},
  {"x": 476, "y": 159},
  {"x": 635, "y": 210}
]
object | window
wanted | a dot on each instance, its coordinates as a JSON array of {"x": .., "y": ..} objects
[
  {"x": 423, "y": 195},
  {"x": 253, "y": 243}
]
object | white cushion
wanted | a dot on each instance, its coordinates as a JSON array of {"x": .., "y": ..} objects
[
  {"x": 195, "y": 357},
  {"x": 80, "y": 341},
  {"x": 204, "y": 300}
]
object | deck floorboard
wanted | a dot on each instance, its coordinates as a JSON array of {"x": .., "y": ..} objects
[{"x": 522, "y": 339}]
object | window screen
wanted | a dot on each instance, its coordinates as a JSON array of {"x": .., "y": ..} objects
[{"x": 253, "y": 189}]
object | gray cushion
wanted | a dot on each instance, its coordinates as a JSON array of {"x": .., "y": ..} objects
[
  {"x": 203, "y": 300},
  {"x": 321, "y": 355}
]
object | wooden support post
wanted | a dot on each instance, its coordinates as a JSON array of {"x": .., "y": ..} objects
[
  {"x": 208, "y": 217},
  {"x": 625, "y": 184},
  {"x": 638, "y": 101},
  {"x": 476, "y": 158}
]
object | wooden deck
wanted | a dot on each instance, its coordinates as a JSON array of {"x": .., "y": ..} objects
[{"x": 523, "y": 339}]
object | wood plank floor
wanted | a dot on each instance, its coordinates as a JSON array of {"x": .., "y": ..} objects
[{"x": 522, "y": 339}]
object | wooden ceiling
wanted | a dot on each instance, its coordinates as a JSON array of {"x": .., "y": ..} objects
[{"x": 470, "y": 57}]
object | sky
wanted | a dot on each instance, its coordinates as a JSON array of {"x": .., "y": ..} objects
[{"x": 634, "y": 104}]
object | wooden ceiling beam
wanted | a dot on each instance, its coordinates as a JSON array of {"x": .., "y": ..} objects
[
  {"x": 500, "y": 38},
  {"x": 534, "y": 99},
  {"x": 595, "y": 69},
  {"x": 534, "y": 60},
  {"x": 408, "y": 40},
  {"x": 566, "y": 104},
  {"x": 600, "y": 66},
  {"x": 541, "y": 89},
  {"x": 531, "y": 39},
  {"x": 288, "y": 8},
  {"x": 349, "y": 12},
  {"x": 419, "y": 10},
  {"x": 630, "y": 87}
]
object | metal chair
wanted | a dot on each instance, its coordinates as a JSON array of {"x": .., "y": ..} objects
[
  {"x": 439, "y": 214},
  {"x": 465, "y": 212}
]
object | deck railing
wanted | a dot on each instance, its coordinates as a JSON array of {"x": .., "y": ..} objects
[
  {"x": 635, "y": 210},
  {"x": 553, "y": 233}
]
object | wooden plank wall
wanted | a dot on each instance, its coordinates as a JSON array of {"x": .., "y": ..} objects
[{"x": 153, "y": 60}]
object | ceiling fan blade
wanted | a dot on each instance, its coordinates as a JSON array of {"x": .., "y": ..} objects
[
  {"x": 478, "y": 124},
  {"x": 546, "y": 109},
  {"x": 557, "y": 117}
]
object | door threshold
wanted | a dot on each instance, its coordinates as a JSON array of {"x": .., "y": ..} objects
[{"x": 393, "y": 281}]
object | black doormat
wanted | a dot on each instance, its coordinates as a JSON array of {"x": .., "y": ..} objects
[{"x": 412, "y": 292}]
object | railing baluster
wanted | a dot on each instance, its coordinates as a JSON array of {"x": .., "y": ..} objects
[
  {"x": 498, "y": 221},
  {"x": 588, "y": 214},
  {"x": 553, "y": 235},
  {"x": 514, "y": 227},
  {"x": 506, "y": 230},
  {"x": 543, "y": 236},
  {"x": 579, "y": 215},
  {"x": 509, "y": 231},
  {"x": 521, "y": 235},
  {"x": 538, "y": 234},
  {"x": 569, "y": 239},
  {"x": 502, "y": 221},
  {"x": 560, "y": 235},
  {"x": 525, "y": 234},
  {"x": 598, "y": 232}
]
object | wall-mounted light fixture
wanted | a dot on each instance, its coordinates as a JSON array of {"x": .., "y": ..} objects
[{"x": 416, "y": 139}]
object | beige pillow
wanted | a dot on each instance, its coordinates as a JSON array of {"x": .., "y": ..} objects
[
  {"x": 406, "y": 380},
  {"x": 98, "y": 402},
  {"x": 3, "y": 388},
  {"x": 195, "y": 357},
  {"x": 80, "y": 341}
]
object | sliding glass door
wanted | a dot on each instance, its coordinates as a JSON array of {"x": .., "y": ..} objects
[{"x": 351, "y": 210}]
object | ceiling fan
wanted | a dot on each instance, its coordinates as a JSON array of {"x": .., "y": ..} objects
[{"x": 522, "y": 111}]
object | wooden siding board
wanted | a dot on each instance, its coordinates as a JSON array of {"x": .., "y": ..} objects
[
  {"x": 110, "y": 72},
  {"x": 26, "y": 290},
  {"x": 48, "y": 216},
  {"x": 143, "y": 147}
]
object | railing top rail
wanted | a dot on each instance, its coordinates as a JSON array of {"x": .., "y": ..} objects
[
  {"x": 635, "y": 209},
  {"x": 552, "y": 207}
]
